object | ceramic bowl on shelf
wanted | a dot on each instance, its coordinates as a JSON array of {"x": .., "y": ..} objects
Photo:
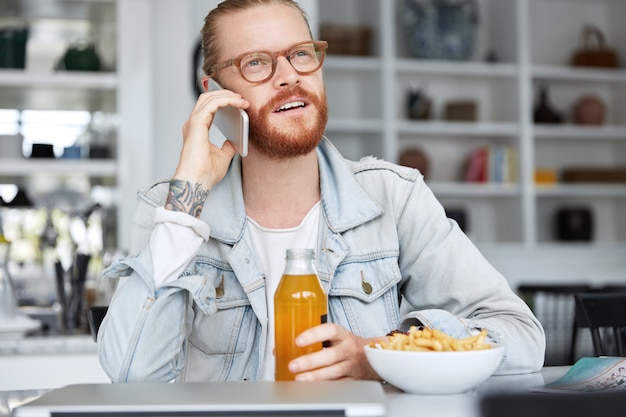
[
  {"x": 440, "y": 29},
  {"x": 434, "y": 372}
]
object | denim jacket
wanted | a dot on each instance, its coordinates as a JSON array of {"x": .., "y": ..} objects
[{"x": 381, "y": 225}]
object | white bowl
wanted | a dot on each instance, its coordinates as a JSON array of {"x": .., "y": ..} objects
[{"x": 434, "y": 372}]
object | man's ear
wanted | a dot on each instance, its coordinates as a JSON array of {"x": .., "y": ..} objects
[{"x": 205, "y": 83}]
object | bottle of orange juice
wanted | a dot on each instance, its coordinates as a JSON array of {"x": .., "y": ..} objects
[{"x": 299, "y": 304}]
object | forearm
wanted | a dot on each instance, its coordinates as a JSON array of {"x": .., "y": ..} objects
[
  {"x": 146, "y": 327},
  {"x": 472, "y": 296},
  {"x": 510, "y": 326},
  {"x": 142, "y": 335},
  {"x": 446, "y": 271}
]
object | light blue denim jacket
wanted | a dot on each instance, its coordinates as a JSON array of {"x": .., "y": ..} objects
[{"x": 380, "y": 224}]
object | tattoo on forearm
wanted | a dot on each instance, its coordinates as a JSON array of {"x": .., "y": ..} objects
[{"x": 183, "y": 196}]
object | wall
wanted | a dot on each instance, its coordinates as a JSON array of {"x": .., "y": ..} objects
[{"x": 176, "y": 30}]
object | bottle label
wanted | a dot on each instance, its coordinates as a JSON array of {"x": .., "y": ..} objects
[{"x": 324, "y": 319}]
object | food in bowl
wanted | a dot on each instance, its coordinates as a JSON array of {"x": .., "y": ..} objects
[
  {"x": 443, "y": 365},
  {"x": 425, "y": 339}
]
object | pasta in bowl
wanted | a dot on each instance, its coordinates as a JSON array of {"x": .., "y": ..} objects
[{"x": 427, "y": 361}]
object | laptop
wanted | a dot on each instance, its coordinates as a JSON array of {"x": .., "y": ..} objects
[{"x": 211, "y": 399}]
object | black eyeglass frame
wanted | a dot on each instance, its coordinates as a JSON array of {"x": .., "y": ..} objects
[{"x": 320, "y": 46}]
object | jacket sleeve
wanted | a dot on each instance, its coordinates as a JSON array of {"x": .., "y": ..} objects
[
  {"x": 452, "y": 287},
  {"x": 144, "y": 334}
]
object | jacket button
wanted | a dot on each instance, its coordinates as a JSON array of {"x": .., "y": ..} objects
[{"x": 367, "y": 287}]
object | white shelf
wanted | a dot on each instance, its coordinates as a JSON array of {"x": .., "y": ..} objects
[
  {"x": 58, "y": 91},
  {"x": 465, "y": 189},
  {"x": 66, "y": 167},
  {"x": 66, "y": 79},
  {"x": 560, "y": 73},
  {"x": 468, "y": 69},
  {"x": 57, "y": 9},
  {"x": 580, "y": 132},
  {"x": 469, "y": 129},
  {"x": 580, "y": 190}
]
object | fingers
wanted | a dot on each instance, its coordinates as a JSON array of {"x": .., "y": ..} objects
[
  {"x": 200, "y": 160},
  {"x": 228, "y": 149},
  {"x": 345, "y": 358},
  {"x": 308, "y": 366},
  {"x": 319, "y": 334},
  {"x": 201, "y": 117}
]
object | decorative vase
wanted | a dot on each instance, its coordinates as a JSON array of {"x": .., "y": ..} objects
[
  {"x": 80, "y": 56},
  {"x": 589, "y": 110},
  {"x": 544, "y": 111},
  {"x": 440, "y": 29},
  {"x": 13, "y": 42}
]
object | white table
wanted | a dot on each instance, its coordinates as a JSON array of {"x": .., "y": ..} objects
[{"x": 400, "y": 404}]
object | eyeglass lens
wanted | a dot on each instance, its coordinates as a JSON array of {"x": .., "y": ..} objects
[{"x": 259, "y": 66}]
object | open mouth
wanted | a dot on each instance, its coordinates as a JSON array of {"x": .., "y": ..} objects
[{"x": 290, "y": 106}]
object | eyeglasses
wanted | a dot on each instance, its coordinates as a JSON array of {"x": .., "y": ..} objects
[{"x": 257, "y": 67}]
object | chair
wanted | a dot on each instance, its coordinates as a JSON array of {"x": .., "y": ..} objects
[
  {"x": 95, "y": 315},
  {"x": 605, "y": 315},
  {"x": 554, "y": 307}
]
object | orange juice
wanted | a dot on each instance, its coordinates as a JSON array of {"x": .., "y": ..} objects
[{"x": 300, "y": 303}]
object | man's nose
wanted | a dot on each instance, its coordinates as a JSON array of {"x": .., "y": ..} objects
[{"x": 285, "y": 72}]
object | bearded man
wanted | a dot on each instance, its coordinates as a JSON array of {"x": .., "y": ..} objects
[{"x": 196, "y": 301}]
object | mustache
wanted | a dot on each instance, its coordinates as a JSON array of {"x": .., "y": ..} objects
[{"x": 283, "y": 95}]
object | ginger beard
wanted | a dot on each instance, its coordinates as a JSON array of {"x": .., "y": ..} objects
[{"x": 303, "y": 135}]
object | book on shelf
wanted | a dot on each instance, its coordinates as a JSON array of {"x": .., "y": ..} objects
[{"x": 492, "y": 163}]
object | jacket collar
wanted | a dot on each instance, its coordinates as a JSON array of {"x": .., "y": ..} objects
[
  {"x": 346, "y": 204},
  {"x": 344, "y": 201}
]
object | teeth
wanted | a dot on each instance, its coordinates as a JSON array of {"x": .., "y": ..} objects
[{"x": 291, "y": 105}]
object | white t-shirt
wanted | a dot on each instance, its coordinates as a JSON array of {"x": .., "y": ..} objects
[
  {"x": 174, "y": 246},
  {"x": 271, "y": 246}
]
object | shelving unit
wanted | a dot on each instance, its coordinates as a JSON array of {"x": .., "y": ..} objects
[
  {"x": 54, "y": 25},
  {"x": 569, "y": 144},
  {"x": 119, "y": 32},
  {"x": 532, "y": 40}
]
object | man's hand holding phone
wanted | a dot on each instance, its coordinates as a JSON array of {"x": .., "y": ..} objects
[{"x": 202, "y": 162}]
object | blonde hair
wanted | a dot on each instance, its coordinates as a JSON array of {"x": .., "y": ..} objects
[{"x": 209, "y": 32}]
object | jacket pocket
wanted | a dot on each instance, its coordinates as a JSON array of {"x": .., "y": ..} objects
[
  {"x": 221, "y": 345},
  {"x": 224, "y": 332},
  {"x": 363, "y": 296}
]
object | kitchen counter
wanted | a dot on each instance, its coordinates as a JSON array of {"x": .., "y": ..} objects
[{"x": 49, "y": 362}]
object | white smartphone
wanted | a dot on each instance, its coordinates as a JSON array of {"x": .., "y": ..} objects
[{"x": 232, "y": 123}]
